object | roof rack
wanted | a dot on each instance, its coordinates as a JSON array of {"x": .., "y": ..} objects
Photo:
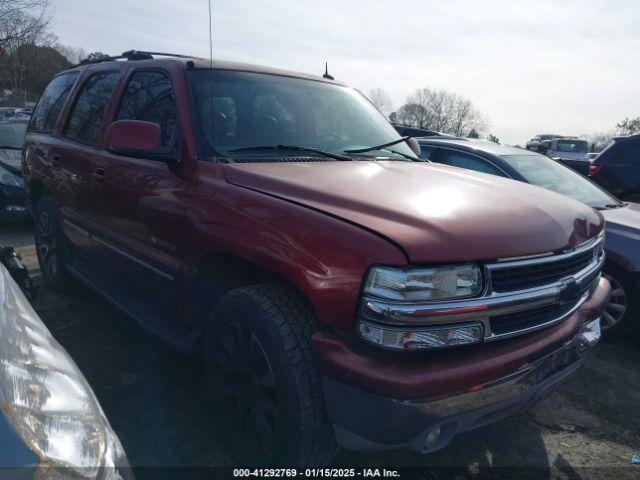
[{"x": 130, "y": 55}]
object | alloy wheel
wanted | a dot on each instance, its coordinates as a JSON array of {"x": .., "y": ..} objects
[
  {"x": 616, "y": 309},
  {"x": 46, "y": 245},
  {"x": 248, "y": 396}
]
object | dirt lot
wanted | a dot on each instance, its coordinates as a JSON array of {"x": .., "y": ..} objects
[{"x": 588, "y": 428}]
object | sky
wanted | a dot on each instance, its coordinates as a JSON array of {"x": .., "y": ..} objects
[{"x": 566, "y": 67}]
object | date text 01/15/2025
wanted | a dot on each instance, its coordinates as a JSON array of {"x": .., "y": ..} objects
[{"x": 316, "y": 472}]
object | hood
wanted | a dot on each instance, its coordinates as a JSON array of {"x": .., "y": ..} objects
[
  {"x": 624, "y": 218},
  {"x": 435, "y": 213}
]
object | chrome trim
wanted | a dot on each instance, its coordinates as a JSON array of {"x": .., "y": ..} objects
[
  {"x": 132, "y": 258},
  {"x": 501, "y": 265},
  {"x": 387, "y": 312},
  {"x": 76, "y": 228}
]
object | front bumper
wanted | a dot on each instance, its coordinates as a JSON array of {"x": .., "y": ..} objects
[{"x": 421, "y": 403}]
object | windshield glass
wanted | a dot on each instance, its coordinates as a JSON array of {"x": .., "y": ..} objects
[
  {"x": 544, "y": 172},
  {"x": 579, "y": 146},
  {"x": 251, "y": 109},
  {"x": 12, "y": 134}
]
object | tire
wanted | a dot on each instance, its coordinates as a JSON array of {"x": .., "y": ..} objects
[
  {"x": 52, "y": 247},
  {"x": 261, "y": 375},
  {"x": 624, "y": 295}
]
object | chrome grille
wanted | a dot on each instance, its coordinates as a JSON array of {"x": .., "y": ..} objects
[
  {"x": 516, "y": 275},
  {"x": 531, "y": 276}
]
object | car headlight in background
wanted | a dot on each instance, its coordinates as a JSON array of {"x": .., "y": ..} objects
[
  {"x": 9, "y": 179},
  {"x": 430, "y": 284},
  {"x": 48, "y": 401}
]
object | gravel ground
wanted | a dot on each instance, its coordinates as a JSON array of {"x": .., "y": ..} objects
[{"x": 588, "y": 428}]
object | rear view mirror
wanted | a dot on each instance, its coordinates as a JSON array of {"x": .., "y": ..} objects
[
  {"x": 414, "y": 146},
  {"x": 133, "y": 138}
]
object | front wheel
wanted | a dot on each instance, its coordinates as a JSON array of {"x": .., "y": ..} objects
[
  {"x": 620, "y": 316},
  {"x": 262, "y": 379}
]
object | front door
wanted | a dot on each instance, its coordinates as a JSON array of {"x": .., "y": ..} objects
[{"x": 142, "y": 200}]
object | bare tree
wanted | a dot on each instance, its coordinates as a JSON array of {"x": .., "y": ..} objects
[
  {"x": 442, "y": 111},
  {"x": 74, "y": 54},
  {"x": 598, "y": 140},
  {"x": 21, "y": 20},
  {"x": 629, "y": 126},
  {"x": 381, "y": 100}
]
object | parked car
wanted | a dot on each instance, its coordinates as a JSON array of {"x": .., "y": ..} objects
[
  {"x": 617, "y": 168},
  {"x": 406, "y": 130},
  {"x": 536, "y": 142},
  {"x": 13, "y": 199},
  {"x": 571, "y": 151},
  {"x": 340, "y": 291},
  {"x": 622, "y": 267},
  {"x": 51, "y": 424}
]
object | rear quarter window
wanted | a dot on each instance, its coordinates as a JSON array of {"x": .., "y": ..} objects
[{"x": 46, "y": 114}]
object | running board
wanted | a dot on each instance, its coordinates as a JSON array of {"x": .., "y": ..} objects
[{"x": 164, "y": 325}]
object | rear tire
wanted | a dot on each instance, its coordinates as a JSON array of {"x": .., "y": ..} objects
[
  {"x": 52, "y": 246},
  {"x": 261, "y": 375},
  {"x": 622, "y": 313}
]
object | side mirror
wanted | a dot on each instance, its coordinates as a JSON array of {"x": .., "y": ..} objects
[
  {"x": 414, "y": 146},
  {"x": 133, "y": 138}
]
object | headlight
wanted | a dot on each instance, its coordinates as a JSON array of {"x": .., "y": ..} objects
[
  {"x": 48, "y": 401},
  {"x": 9, "y": 179},
  {"x": 424, "y": 284}
]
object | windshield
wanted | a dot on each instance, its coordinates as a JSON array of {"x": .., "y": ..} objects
[
  {"x": 544, "y": 172},
  {"x": 579, "y": 146},
  {"x": 12, "y": 134},
  {"x": 253, "y": 109}
]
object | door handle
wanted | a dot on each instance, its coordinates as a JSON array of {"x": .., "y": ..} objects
[
  {"x": 56, "y": 161},
  {"x": 98, "y": 175}
]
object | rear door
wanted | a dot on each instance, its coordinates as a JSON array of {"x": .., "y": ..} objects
[
  {"x": 75, "y": 154},
  {"x": 141, "y": 200}
]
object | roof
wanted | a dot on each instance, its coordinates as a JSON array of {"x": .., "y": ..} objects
[
  {"x": 473, "y": 144},
  {"x": 196, "y": 63}
]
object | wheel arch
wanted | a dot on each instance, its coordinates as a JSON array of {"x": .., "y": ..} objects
[{"x": 221, "y": 272}]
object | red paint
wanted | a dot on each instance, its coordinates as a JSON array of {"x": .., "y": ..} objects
[
  {"x": 319, "y": 226},
  {"x": 132, "y": 135}
]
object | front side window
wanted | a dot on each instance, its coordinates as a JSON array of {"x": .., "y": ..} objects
[
  {"x": 86, "y": 118},
  {"x": 547, "y": 173},
  {"x": 46, "y": 113},
  {"x": 242, "y": 109},
  {"x": 461, "y": 160},
  {"x": 149, "y": 97}
]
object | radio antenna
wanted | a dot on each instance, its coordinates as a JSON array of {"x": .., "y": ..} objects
[
  {"x": 210, "y": 38},
  {"x": 326, "y": 71},
  {"x": 212, "y": 103}
]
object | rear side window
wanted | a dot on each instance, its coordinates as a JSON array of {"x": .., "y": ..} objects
[
  {"x": 51, "y": 102},
  {"x": 149, "y": 97},
  {"x": 456, "y": 159},
  {"x": 86, "y": 117}
]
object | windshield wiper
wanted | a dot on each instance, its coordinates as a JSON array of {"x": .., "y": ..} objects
[
  {"x": 295, "y": 148},
  {"x": 9, "y": 147},
  {"x": 378, "y": 147}
]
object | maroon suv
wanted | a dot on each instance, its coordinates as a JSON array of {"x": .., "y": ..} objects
[{"x": 275, "y": 223}]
